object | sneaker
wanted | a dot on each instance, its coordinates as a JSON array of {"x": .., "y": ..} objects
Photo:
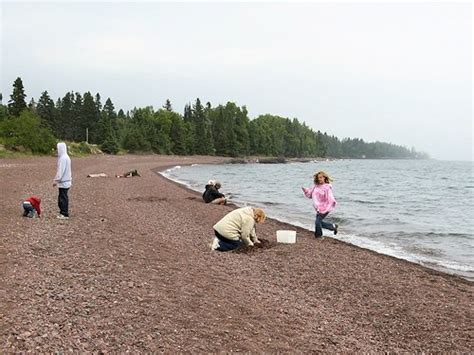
[
  {"x": 62, "y": 217},
  {"x": 215, "y": 244},
  {"x": 335, "y": 228}
]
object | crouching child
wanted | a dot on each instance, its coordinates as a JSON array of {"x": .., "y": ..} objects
[
  {"x": 31, "y": 207},
  {"x": 237, "y": 229}
]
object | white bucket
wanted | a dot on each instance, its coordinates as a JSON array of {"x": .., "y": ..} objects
[{"x": 286, "y": 237}]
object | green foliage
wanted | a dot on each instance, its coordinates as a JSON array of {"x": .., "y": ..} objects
[
  {"x": 26, "y": 133},
  {"x": 134, "y": 141},
  {"x": 202, "y": 129},
  {"x": 17, "y": 101},
  {"x": 47, "y": 111},
  {"x": 110, "y": 144},
  {"x": 225, "y": 130},
  {"x": 3, "y": 112},
  {"x": 167, "y": 106}
]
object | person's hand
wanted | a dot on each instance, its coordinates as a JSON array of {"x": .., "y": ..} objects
[
  {"x": 55, "y": 184},
  {"x": 257, "y": 241},
  {"x": 250, "y": 244}
]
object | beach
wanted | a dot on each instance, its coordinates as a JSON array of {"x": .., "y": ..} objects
[{"x": 131, "y": 270}]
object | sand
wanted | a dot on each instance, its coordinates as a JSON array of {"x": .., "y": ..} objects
[{"x": 131, "y": 270}]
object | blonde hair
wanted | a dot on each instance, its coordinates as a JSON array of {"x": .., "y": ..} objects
[
  {"x": 259, "y": 215},
  {"x": 327, "y": 178}
]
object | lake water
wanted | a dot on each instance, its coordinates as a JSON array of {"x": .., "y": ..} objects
[{"x": 420, "y": 211}]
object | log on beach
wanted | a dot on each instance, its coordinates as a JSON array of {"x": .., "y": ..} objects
[{"x": 131, "y": 270}]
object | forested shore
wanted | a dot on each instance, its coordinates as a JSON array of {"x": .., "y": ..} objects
[{"x": 202, "y": 129}]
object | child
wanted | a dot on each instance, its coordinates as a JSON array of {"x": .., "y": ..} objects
[
  {"x": 31, "y": 207},
  {"x": 323, "y": 202},
  {"x": 63, "y": 180}
]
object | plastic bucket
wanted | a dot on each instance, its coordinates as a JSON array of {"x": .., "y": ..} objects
[{"x": 286, "y": 237}]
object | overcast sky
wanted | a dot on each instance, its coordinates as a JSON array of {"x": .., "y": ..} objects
[{"x": 399, "y": 73}]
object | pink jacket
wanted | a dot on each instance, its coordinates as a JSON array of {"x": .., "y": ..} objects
[{"x": 323, "y": 199}]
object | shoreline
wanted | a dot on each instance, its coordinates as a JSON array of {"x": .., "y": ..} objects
[
  {"x": 435, "y": 267},
  {"x": 131, "y": 271}
]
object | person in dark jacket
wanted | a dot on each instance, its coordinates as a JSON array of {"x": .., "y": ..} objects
[{"x": 212, "y": 194}]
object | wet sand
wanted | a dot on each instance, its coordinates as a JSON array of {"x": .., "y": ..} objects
[{"x": 132, "y": 271}]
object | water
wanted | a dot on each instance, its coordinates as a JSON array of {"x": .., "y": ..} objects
[{"x": 421, "y": 211}]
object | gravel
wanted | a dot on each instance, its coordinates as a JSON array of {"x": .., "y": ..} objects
[{"x": 131, "y": 270}]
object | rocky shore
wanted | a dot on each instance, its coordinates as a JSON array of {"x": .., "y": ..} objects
[{"x": 131, "y": 270}]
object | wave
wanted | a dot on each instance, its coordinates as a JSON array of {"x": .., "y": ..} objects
[
  {"x": 175, "y": 168},
  {"x": 424, "y": 256},
  {"x": 428, "y": 235},
  {"x": 365, "y": 202},
  {"x": 270, "y": 203}
]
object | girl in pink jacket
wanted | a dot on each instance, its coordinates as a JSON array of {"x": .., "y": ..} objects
[{"x": 323, "y": 202}]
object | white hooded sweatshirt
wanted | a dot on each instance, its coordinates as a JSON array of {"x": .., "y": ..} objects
[{"x": 63, "y": 175}]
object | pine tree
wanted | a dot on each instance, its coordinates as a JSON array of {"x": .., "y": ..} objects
[
  {"x": 32, "y": 105},
  {"x": 17, "y": 102},
  {"x": 65, "y": 125},
  {"x": 109, "y": 110},
  {"x": 203, "y": 136},
  {"x": 78, "y": 134},
  {"x": 89, "y": 118},
  {"x": 167, "y": 106},
  {"x": 178, "y": 135},
  {"x": 110, "y": 144},
  {"x": 46, "y": 110}
]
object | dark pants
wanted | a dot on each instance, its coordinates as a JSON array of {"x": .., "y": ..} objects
[
  {"x": 28, "y": 210},
  {"x": 63, "y": 202},
  {"x": 320, "y": 224},
  {"x": 227, "y": 244}
]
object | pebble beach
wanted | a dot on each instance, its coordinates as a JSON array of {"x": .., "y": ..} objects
[{"x": 131, "y": 270}]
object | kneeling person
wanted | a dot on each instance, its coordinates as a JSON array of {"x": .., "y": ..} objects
[
  {"x": 212, "y": 194},
  {"x": 237, "y": 228}
]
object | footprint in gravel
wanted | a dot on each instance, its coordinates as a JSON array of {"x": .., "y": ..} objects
[
  {"x": 257, "y": 248},
  {"x": 147, "y": 199}
]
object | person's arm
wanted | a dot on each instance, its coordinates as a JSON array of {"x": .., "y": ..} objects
[
  {"x": 308, "y": 192},
  {"x": 59, "y": 172},
  {"x": 253, "y": 236},
  {"x": 247, "y": 228},
  {"x": 215, "y": 193}
]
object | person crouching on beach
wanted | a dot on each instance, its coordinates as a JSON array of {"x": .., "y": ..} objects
[
  {"x": 323, "y": 202},
  {"x": 212, "y": 195},
  {"x": 31, "y": 207},
  {"x": 237, "y": 228},
  {"x": 63, "y": 180}
]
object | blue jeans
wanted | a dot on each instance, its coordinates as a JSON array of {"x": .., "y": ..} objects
[
  {"x": 28, "y": 210},
  {"x": 227, "y": 244},
  {"x": 320, "y": 224}
]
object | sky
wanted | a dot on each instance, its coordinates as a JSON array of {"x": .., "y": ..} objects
[{"x": 392, "y": 72}]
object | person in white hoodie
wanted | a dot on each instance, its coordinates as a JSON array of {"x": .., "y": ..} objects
[{"x": 63, "y": 180}]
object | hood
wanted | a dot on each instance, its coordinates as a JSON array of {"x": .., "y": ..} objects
[
  {"x": 36, "y": 199},
  {"x": 62, "y": 149}
]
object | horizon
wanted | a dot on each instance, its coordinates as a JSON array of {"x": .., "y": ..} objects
[{"x": 346, "y": 69}]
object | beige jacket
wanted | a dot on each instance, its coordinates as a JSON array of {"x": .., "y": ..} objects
[{"x": 238, "y": 224}]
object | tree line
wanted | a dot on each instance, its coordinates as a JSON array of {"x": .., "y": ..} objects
[{"x": 224, "y": 130}]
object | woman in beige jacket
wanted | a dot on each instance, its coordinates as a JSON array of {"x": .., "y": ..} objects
[{"x": 237, "y": 228}]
